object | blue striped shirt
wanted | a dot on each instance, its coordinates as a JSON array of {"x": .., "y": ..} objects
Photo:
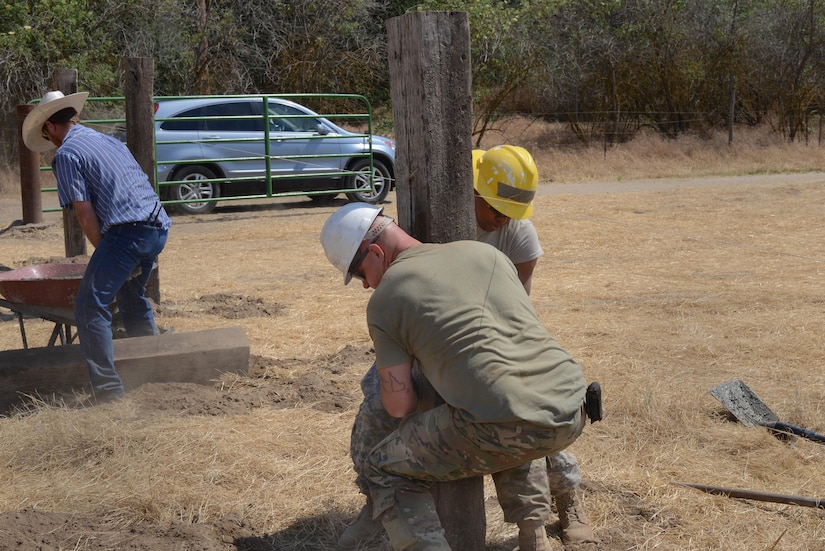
[{"x": 90, "y": 166}]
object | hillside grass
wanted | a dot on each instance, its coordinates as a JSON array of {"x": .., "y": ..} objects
[{"x": 563, "y": 159}]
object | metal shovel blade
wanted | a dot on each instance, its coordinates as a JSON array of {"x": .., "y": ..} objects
[
  {"x": 746, "y": 406},
  {"x": 743, "y": 403}
]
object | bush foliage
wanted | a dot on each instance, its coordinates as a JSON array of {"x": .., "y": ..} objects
[{"x": 606, "y": 67}]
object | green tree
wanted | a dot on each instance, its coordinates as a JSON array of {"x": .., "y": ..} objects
[
  {"x": 786, "y": 44},
  {"x": 37, "y": 37},
  {"x": 503, "y": 55}
]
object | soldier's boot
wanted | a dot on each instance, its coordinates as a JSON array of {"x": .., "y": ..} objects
[
  {"x": 532, "y": 536},
  {"x": 575, "y": 527},
  {"x": 362, "y": 531}
]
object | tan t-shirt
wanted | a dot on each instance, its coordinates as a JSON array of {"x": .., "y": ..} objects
[
  {"x": 517, "y": 239},
  {"x": 461, "y": 311}
]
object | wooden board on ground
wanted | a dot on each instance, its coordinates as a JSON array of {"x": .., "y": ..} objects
[{"x": 192, "y": 357}]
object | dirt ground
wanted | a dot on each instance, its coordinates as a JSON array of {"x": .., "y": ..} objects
[{"x": 659, "y": 288}]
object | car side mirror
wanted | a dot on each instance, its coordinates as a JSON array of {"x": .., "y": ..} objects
[{"x": 322, "y": 130}]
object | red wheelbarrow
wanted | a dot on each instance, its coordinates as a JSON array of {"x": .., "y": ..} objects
[{"x": 45, "y": 291}]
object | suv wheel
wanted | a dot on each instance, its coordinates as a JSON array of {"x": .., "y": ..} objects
[
  {"x": 361, "y": 182},
  {"x": 197, "y": 187}
]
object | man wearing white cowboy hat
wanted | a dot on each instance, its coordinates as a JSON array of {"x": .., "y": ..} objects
[{"x": 122, "y": 217}]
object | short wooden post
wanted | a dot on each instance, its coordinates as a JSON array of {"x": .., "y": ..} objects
[
  {"x": 430, "y": 85},
  {"x": 30, "y": 194},
  {"x": 140, "y": 121},
  {"x": 73, "y": 237}
]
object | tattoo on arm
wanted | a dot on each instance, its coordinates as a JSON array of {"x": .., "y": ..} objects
[{"x": 391, "y": 384}]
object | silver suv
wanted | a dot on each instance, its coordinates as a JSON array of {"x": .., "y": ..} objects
[{"x": 219, "y": 147}]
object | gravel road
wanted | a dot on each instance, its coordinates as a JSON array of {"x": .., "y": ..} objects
[{"x": 655, "y": 184}]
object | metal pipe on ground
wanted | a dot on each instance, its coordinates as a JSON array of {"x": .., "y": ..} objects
[{"x": 757, "y": 495}]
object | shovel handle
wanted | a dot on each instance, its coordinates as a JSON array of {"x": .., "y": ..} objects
[{"x": 799, "y": 431}]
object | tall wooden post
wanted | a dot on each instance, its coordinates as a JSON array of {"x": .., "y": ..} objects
[
  {"x": 140, "y": 110},
  {"x": 431, "y": 88},
  {"x": 73, "y": 237},
  {"x": 140, "y": 122},
  {"x": 731, "y": 106},
  {"x": 30, "y": 193}
]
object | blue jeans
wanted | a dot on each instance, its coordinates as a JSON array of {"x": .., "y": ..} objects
[{"x": 108, "y": 278}]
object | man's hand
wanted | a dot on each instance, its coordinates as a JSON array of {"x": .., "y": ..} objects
[{"x": 88, "y": 221}]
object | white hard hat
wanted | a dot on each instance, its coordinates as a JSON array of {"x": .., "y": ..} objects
[{"x": 343, "y": 232}]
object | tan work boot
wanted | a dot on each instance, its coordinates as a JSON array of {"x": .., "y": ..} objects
[
  {"x": 362, "y": 531},
  {"x": 532, "y": 536},
  {"x": 575, "y": 527}
]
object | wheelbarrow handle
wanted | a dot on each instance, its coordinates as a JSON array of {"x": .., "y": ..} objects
[{"x": 799, "y": 431}]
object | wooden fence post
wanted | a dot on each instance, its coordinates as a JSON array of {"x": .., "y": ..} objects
[
  {"x": 73, "y": 237},
  {"x": 140, "y": 123},
  {"x": 140, "y": 111},
  {"x": 430, "y": 85},
  {"x": 30, "y": 194}
]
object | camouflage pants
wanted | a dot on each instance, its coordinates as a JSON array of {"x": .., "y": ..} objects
[
  {"x": 445, "y": 444},
  {"x": 522, "y": 490},
  {"x": 373, "y": 424}
]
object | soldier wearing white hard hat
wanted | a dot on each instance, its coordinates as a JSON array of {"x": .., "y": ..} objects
[
  {"x": 505, "y": 176},
  {"x": 512, "y": 395}
]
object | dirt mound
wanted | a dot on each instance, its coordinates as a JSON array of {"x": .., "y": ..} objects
[
  {"x": 321, "y": 383},
  {"x": 35, "y": 529}
]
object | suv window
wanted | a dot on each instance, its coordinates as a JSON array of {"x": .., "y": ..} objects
[
  {"x": 282, "y": 120},
  {"x": 236, "y": 109},
  {"x": 185, "y": 124}
]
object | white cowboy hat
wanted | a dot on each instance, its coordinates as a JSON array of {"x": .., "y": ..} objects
[{"x": 51, "y": 103}]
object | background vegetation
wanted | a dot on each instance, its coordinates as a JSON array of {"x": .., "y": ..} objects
[{"x": 607, "y": 68}]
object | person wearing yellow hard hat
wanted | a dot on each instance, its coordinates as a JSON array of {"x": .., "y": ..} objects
[{"x": 505, "y": 181}]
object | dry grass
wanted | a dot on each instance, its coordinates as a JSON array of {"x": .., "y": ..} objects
[
  {"x": 561, "y": 159},
  {"x": 165, "y": 469},
  {"x": 659, "y": 294}
]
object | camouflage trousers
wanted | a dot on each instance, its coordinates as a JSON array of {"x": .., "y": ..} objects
[
  {"x": 445, "y": 444},
  {"x": 373, "y": 424}
]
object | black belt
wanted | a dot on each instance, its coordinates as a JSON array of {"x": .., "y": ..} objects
[{"x": 151, "y": 223}]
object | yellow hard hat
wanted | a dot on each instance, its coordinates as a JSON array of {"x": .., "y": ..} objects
[{"x": 507, "y": 178}]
